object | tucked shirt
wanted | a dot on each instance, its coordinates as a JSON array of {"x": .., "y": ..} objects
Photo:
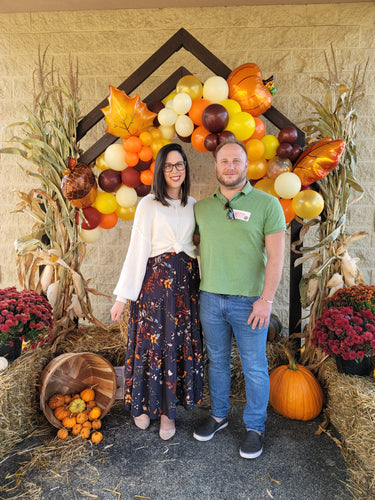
[
  {"x": 157, "y": 229},
  {"x": 232, "y": 252}
]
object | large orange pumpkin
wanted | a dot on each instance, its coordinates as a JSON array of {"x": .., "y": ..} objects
[
  {"x": 294, "y": 391},
  {"x": 247, "y": 88}
]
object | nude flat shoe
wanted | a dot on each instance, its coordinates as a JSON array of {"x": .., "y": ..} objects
[
  {"x": 168, "y": 433},
  {"x": 142, "y": 422}
]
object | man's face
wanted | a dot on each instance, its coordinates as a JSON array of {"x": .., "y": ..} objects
[{"x": 231, "y": 166}]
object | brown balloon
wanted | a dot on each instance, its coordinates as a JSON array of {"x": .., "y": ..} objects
[
  {"x": 284, "y": 150},
  {"x": 131, "y": 177},
  {"x": 109, "y": 180},
  {"x": 211, "y": 142},
  {"x": 226, "y": 135},
  {"x": 288, "y": 134},
  {"x": 296, "y": 153},
  {"x": 215, "y": 118},
  {"x": 91, "y": 218},
  {"x": 143, "y": 165},
  {"x": 142, "y": 190}
]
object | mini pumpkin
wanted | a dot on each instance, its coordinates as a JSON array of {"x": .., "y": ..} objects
[
  {"x": 85, "y": 432},
  {"x": 96, "y": 437},
  {"x": 67, "y": 398},
  {"x": 91, "y": 404},
  {"x": 95, "y": 413},
  {"x": 61, "y": 412},
  {"x": 88, "y": 395},
  {"x": 55, "y": 401},
  {"x": 62, "y": 433},
  {"x": 82, "y": 418},
  {"x": 96, "y": 424},
  {"x": 77, "y": 405},
  {"x": 69, "y": 422},
  {"x": 76, "y": 429}
]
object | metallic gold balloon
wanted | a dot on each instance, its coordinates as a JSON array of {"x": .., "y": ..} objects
[{"x": 318, "y": 160}]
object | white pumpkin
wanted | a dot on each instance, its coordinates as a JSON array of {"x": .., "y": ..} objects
[{"x": 3, "y": 364}]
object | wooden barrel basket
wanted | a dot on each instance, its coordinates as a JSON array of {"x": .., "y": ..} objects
[{"x": 70, "y": 373}]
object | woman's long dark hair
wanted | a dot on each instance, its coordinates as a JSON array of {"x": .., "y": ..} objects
[{"x": 159, "y": 186}]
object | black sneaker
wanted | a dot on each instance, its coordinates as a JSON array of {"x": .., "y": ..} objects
[
  {"x": 252, "y": 445},
  {"x": 207, "y": 429}
]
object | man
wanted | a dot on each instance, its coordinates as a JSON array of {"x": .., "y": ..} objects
[{"x": 241, "y": 231}]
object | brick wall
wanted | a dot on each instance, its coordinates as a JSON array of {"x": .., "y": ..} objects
[{"x": 285, "y": 41}]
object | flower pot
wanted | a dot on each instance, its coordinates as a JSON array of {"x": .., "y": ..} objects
[
  {"x": 361, "y": 367},
  {"x": 11, "y": 352}
]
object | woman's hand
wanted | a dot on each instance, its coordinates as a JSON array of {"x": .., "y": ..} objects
[{"x": 117, "y": 310}]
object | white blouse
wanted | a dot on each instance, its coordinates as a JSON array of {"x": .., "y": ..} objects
[{"x": 157, "y": 229}]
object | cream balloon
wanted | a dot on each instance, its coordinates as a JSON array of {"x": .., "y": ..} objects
[
  {"x": 182, "y": 103},
  {"x": 287, "y": 185},
  {"x": 215, "y": 89},
  {"x": 169, "y": 104},
  {"x": 126, "y": 196},
  {"x": 184, "y": 126},
  {"x": 167, "y": 117},
  {"x": 114, "y": 156},
  {"x": 167, "y": 132},
  {"x": 90, "y": 235}
]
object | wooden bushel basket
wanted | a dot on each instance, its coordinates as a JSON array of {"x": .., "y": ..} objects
[{"x": 70, "y": 373}]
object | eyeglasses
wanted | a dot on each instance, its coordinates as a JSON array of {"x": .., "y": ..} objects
[
  {"x": 180, "y": 165},
  {"x": 230, "y": 211}
]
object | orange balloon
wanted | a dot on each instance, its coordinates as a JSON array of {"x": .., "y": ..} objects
[
  {"x": 131, "y": 159},
  {"x": 257, "y": 168},
  {"x": 147, "y": 177},
  {"x": 196, "y": 110},
  {"x": 287, "y": 206},
  {"x": 152, "y": 166},
  {"x": 145, "y": 154},
  {"x": 108, "y": 221},
  {"x": 132, "y": 144},
  {"x": 255, "y": 149},
  {"x": 197, "y": 138},
  {"x": 267, "y": 185},
  {"x": 260, "y": 129}
]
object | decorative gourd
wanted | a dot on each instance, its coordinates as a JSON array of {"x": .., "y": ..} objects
[
  {"x": 90, "y": 404},
  {"x": 79, "y": 184},
  {"x": 246, "y": 86},
  {"x": 95, "y": 413},
  {"x": 87, "y": 424},
  {"x": 69, "y": 422},
  {"x": 274, "y": 328},
  {"x": 85, "y": 432},
  {"x": 61, "y": 412},
  {"x": 62, "y": 433},
  {"x": 55, "y": 401},
  {"x": 88, "y": 395},
  {"x": 82, "y": 418},
  {"x": 96, "y": 437},
  {"x": 76, "y": 429},
  {"x": 77, "y": 405},
  {"x": 96, "y": 424},
  {"x": 67, "y": 398},
  {"x": 295, "y": 392}
]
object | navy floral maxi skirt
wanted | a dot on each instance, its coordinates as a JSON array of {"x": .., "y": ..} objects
[{"x": 164, "y": 365}]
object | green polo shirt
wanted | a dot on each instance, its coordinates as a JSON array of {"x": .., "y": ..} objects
[{"x": 232, "y": 252}]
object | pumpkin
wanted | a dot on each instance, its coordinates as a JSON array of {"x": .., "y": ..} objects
[
  {"x": 91, "y": 404},
  {"x": 61, "y": 412},
  {"x": 62, "y": 433},
  {"x": 82, "y": 418},
  {"x": 96, "y": 437},
  {"x": 55, "y": 401},
  {"x": 274, "y": 328},
  {"x": 76, "y": 429},
  {"x": 247, "y": 87},
  {"x": 85, "y": 432},
  {"x": 88, "y": 395},
  {"x": 75, "y": 396},
  {"x": 87, "y": 424},
  {"x": 294, "y": 391},
  {"x": 69, "y": 422},
  {"x": 96, "y": 424},
  {"x": 77, "y": 405},
  {"x": 95, "y": 413},
  {"x": 67, "y": 398}
]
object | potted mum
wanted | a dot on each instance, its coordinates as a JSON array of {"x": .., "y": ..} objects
[
  {"x": 25, "y": 319},
  {"x": 346, "y": 328}
]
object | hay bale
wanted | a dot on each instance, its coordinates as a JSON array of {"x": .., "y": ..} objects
[{"x": 351, "y": 409}]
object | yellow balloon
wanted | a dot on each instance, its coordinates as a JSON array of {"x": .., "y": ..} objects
[
  {"x": 126, "y": 213},
  {"x": 266, "y": 185},
  {"x": 155, "y": 134},
  {"x": 271, "y": 143},
  {"x": 105, "y": 203},
  {"x": 257, "y": 168},
  {"x": 231, "y": 106},
  {"x": 100, "y": 163},
  {"x": 242, "y": 125},
  {"x": 146, "y": 138},
  {"x": 287, "y": 185},
  {"x": 308, "y": 204},
  {"x": 169, "y": 97},
  {"x": 191, "y": 85}
]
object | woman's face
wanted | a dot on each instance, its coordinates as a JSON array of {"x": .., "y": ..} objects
[{"x": 174, "y": 170}]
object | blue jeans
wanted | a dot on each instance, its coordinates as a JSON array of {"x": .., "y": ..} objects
[{"x": 221, "y": 317}]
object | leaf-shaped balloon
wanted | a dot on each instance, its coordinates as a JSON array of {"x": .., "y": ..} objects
[
  {"x": 318, "y": 160},
  {"x": 126, "y": 115}
]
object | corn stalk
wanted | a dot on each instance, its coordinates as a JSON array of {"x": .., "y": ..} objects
[
  {"x": 49, "y": 258},
  {"x": 332, "y": 267}
]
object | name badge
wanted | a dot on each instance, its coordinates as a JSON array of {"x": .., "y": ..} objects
[{"x": 241, "y": 215}]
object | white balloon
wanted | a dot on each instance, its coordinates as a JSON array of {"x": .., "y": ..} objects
[
  {"x": 167, "y": 117},
  {"x": 169, "y": 104},
  {"x": 114, "y": 156},
  {"x": 182, "y": 103},
  {"x": 126, "y": 196},
  {"x": 287, "y": 185},
  {"x": 184, "y": 126},
  {"x": 167, "y": 132},
  {"x": 215, "y": 89},
  {"x": 90, "y": 235}
]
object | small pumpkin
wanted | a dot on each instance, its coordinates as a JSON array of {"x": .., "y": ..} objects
[
  {"x": 77, "y": 405},
  {"x": 295, "y": 392},
  {"x": 87, "y": 424},
  {"x": 62, "y": 433},
  {"x": 96, "y": 424},
  {"x": 91, "y": 404},
  {"x": 61, "y": 412},
  {"x": 88, "y": 395},
  {"x": 95, "y": 413},
  {"x": 82, "y": 418},
  {"x": 96, "y": 437},
  {"x": 85, "y": 432},
  {"x": 69, "y": 422},
  {"x": 76, "y": 429},
  {"x": 67, "y": 398},
  {"x": 55, "y": 401}
]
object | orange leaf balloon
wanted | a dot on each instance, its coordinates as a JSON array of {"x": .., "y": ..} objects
[
  {"x": 126, "y": 116},
  {"x": 318, "y": 160},
  {"x": 247, "y": 88}
]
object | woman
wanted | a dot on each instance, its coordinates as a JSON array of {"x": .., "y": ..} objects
[{"x": 160, "y": 276}]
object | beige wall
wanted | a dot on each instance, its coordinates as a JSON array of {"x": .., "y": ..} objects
[{"x": 285, "y": 41}]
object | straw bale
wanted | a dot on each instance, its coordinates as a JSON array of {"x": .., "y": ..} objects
[{"x": 351, "y": 409}]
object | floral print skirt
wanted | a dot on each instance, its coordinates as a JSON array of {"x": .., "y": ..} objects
[{"x": 164, "y": 364}]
